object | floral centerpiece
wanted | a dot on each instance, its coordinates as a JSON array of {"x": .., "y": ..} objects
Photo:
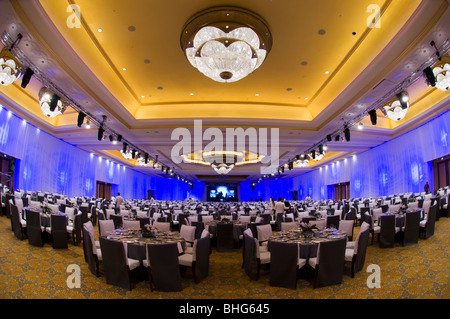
[
  {"x": 148, "y": 231},
  {"x": 225, "y": 220},
  {"x": 307, "y": 229},
  {"x": 402, "y": 209},
  {"x": 45, "y": 209}
]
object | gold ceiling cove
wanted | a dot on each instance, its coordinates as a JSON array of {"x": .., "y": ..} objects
[{"x": 226, "y": 43}]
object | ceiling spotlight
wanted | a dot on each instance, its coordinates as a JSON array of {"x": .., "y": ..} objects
[
  {"x": 226, "y": 54},
  {"x": 112, "y": 139},
  {"x": 347, "y": 134},
  {"x": 119, "y": 138},
  {"x": 360, "y": 126},
  {"x": 124, "y": 149},
  {"x": 337, "y": 138},
  {"x": 100, "y": 133},
  {"x": 50, "y": 103},
  {"x": 302, "y": 163},
  {"x": 26, "y": 77},
  {"x": 88, "y": 124},
  {"x": 373, "y": 117},
  {"x": 81, "y": 117},
  {"x": 429, "y": 76},
  {"x": 397, "y": 109},
  {"x": 320, "y": 149},
  {"x": 313, "y": 154},
  {"x": 10, "y": 67},
  {"x": 325, "y": 148},
  {"x": 133, "y": 154},
  {"x": 329, "y": 137}
]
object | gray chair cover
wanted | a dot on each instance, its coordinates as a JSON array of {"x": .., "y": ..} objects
[
  {"x": 143, "y": 221},
  {"x": 117, "y": 272},
  {"x": 331, "y": 263},
  {"x": 364, "y": 210},
  {"x": 225, "y": 240},
  {"x": 164, "y": 272},
  {"x": 202, "y": 258},
  {"x": 359, "y": 259},
  {"x": 253, "y": 229},
  {"x": 77, "y": 229},
  {"x": 411, "y": 229},
  {"x": 283, "y": 264},
  {"x": 89, "y": 256},
  {"x": 387, "y": 232},
  {"x": 58, "y": 224},
  {"x": 34, "y": 231},
  {"x": 15, "y": 220},
  {"x": 199, "y": 227},
  {"x": 84, "y": 213},
  {"x": 330, "y": 211},
  {"x": 267, "y": 218},
  {"x": 384, "y": 208}
]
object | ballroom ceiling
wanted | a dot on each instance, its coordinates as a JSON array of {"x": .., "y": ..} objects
[{"x": 326, "y": 67}]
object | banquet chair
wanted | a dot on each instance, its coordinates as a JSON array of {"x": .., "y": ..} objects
[
  {"x": 253, "y": 256},
  {"x": 143, "y": 221},
  {"x": 105, "y": 227},
  {"x": 362, "y": 211},
  {"x": 188, "y": 234},
  {"x": 329, "y": 264},
  {"x": 428, "y": 224},
  {"x": 264, "y": 232},
  {"x": 198, "y": 260},
  {"x": 253, "y": 228},
  {"x": 109, "y": 213},
  {"x": 93, "y": 215},
  {"x": 84, "y": 210},
  {"x": 384, "y": 208},
  {"x": 163, "y": 267},
  {"x": 347, "y": 226},
  {"x": 92, "y": 254},
  {"x": 244, "y": 219},
  {"x": 225, "y": 241},
  {"x": 411, "y": 228},
  {"x": 192, "y": 219},
  {"x": 199, "y": 227},
  {"x": 267, "y": 218},
  {"x": 162, "y": 227},
  {"x": 118, "y": 220},
  {"x": 333, "y": 221},
  {"x": 426, "y": 206},
  {"x": 289, "y": 226},
  {"x": 284, "y": 264},
  {"x": 100, "y": 215},
  {"x": 413, "y": 206},
  {"x": 355, "y": 253},
  {"x": 131, "y": 224},
  {"x": 141, "y": 214},
  {"x": 387, "y": 231},
  {"x": 58, "y": 231},
  {"x": 19, "y": 224},
  {"x": 117, "y": 266},
  {"x": 75, "y": 228},
  {"x": 34, "y": 228}
]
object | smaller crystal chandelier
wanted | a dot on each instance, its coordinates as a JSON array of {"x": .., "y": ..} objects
[
  {"x": 397, "y": 109},
  {"x": 222, "y": 168},
  {"x": 302, "y": 162},
  {"x": 141, "y": 161},
  {"x": 127, "y": 154},
  {"x": 10, "y": 68},
  {"x": 50, "y": 103},
  {"x": 226, "y": 43},
  {"x": 442, "y": 74}
]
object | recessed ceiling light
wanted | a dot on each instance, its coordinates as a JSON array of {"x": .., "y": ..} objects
[
  {"x": 289, "y": 89},
  {"x": 142, "y": 96},
  {"x": 306, "y": 98},
  {"x": 322, "y": 31},
  {"x": 191, "y": 93},
  {"x": 257, "y": 94},
  {"x": 326, "y": 72},
  {"x": 99, "y": 29},
  {"x": 147, "y": 61},
  {"x": 124, "y": 69}
]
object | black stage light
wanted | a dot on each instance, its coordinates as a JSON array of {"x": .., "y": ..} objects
[
  {"x": 162, "y": 168},
  {"x": 282, "y": 169},
  {"x": 403, "y": 97},
  {"x": 337, "y": 138},
  {"x": 329, "y": 137},
  {"x": 291, "y": 165},
  {"x": 321, "y": 149},
  {"x": 347, "y": 134},
  {"x": 146, "y": 158},
  {"x": 313, "y": 154},
  {"x": 429, "y": 76},
  {"x": 100, "y": 133},
  {"x": 27, "y": 77},
  {"x": 81, "y": 117},
  {"x": 373, "y": 116},
  {"x": 111, "y": 138},
  {"x": 124, "y": 149},
  {"x": 133, "y": 154},
  {"x": 119, "y": 138},
  {"x": 297, "y": 157},
  {"x": 54, "y": 102}
]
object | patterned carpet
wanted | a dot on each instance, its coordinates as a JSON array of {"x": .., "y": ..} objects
[{"x": 415, "y": 272}]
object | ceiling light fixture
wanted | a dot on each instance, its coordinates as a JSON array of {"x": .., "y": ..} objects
[
  {"x": 226, "y": 43},
  {"x": 442, "y": 75},
  {"x": 397, "y": 109},
  {"x": 26, "y": 77},
  {"x": 51, "y": 104},
  {"x": 373, "y": 116},
  {"x": 80, "y": 120},
  {"x": 360, "y": 126},
  {"x": 10, "y": 67}
]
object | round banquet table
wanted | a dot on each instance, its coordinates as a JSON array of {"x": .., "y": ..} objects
[
  {"x": 238, "y": 229},
  {"x": 137, "y": 243},
  {"x": 308, "y": 246}
]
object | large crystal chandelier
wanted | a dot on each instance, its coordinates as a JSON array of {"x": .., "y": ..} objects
[
  {"x": 442, "y": 74},
  {"x": 397, "y": 109},
  {"x": 226, "y": 43},
  {"x": 45, "y": 100},
  {"x": 10, "y": 68}
]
